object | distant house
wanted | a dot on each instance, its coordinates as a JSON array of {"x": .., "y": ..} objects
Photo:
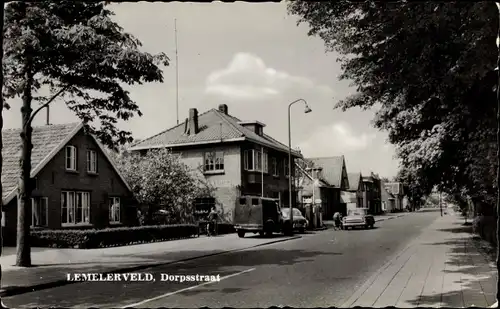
[
  {"x": 396, "y": 190},
  {"x": 76, "y": 184},
  {"x": 372, "y": 193},
  {"x": 236, "y": 156},
  {"x": 332, "y": 172},
  {"x": 355, "y": 192},
  {"x": 312, "y": 186},
  {"x": 388, "y": 199}
]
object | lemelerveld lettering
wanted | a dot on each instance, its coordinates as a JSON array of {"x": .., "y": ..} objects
[
  {"x": 99, "y": 277},
  {"x": 140, "y": 277}
]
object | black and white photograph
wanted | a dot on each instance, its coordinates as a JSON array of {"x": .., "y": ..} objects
[{"x": 294, "y": 153}]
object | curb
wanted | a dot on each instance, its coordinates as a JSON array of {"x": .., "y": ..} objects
[{"x": 61, "y": 282}]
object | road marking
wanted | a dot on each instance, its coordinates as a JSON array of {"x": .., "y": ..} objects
[{"x": 186, "y": 289}]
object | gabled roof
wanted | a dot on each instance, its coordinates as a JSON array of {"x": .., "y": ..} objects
[
  {"x": 354, "y": 180},
  {"x": 332, "y": 169},
  {"x": 214, "y": 127},
  {"x": 47, "y": 142}
]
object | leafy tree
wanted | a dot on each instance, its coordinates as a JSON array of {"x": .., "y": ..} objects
[
  {"x": 76, "y": 52},
  {"x": 419, "y": 64},
  {"x": 161, "y": 181},
  {"x": 427, "y": 67},
  {"x": 2, "y": 11}
]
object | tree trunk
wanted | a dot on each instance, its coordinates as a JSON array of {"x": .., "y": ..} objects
[
  {"x": 498, "y": 160},
  {"x": 2, "y": 9},
  {"x": 23, "y": 257}
]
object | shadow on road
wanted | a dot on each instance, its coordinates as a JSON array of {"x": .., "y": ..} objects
[{"x": 461, "y": 229}]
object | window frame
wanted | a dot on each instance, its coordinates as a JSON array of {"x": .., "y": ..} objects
[
  {"x": 216, "y": 161},
  {"x": 275, "y": 166},
  {"x": 36, "y": 201},
  {"x": 72, "y": 158},
  {"x": 91, "y": 166},
  {"x": 71, "y": 198},
  {"x": 111, "y": 216},
  {"x": 260, "y": 160}
]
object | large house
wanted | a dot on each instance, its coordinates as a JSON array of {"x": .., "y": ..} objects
[
  {"x": 76, "y": 184},
  {"x": 236, "y": 156}
]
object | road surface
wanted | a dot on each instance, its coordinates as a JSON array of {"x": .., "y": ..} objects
[{"x": 320, "y": 269}]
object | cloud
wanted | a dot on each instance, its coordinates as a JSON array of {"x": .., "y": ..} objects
[
  {"x": 336, "y": 139},
  {"x": 248, "y": 77}
]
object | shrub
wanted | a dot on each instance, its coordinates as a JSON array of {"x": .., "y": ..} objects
[{"x": 111, "y": 237}]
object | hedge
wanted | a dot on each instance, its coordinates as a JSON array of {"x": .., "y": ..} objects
[{"x": 111, "y": 237}]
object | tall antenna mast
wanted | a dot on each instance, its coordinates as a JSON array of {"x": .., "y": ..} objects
[{"x": 176, "y": 73}]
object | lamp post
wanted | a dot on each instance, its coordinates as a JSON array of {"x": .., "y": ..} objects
[{"x": 306, "y": 110}]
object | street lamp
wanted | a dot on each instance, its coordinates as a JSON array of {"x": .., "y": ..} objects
[{"x": 306, "y": 110}]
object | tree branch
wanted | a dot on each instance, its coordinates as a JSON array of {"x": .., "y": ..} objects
[{"x": 47, "y": 103}]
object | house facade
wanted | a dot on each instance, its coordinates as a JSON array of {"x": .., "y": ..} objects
[
  {"x": 236, "y": 156},
  {"x": 76, "y": 184},
  {"x": 372, "y": 194},
  {"x": 396, "y": 190},
  {"x": 354, "y": 194},
  {"x": 332, "y": 180}
]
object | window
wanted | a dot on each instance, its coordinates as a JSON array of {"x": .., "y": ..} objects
[
  {"x": 71, "y": 158},
  {"x": 285, "y": 165},
  {"x": 75, "y": 207},
  {"x": 274, "y": 166},
  {"x": 254, "y": 161},
  {"x": 214, "y": 161},
  {"x": 91, "y": 161},
  {"x": 39, "y": 211},
  {"x": 114, "y": 209},
  {"x": 243, "y": 201}
]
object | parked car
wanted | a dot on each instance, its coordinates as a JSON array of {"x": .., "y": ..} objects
[
  {"x": 358, "y": 218},
  {"x": 255, "y": 214},
  {"x": 299, "y": 222}
]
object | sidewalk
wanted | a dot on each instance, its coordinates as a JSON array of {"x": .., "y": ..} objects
[
  {"x": 52, "y": 265},
  {"x": 441, "y": 268}
]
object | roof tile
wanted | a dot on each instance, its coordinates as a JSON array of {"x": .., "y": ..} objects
[
  {"x": 44, "y": 139},
  {"x": 332, "y": 169},
  {"x": 214, "y": 126}
]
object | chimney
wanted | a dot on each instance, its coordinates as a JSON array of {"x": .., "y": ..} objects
[
  {"x": 193, "y": 121},
  {"x": 223, "y": 108}
]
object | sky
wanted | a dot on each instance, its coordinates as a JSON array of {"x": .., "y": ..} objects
[{"x": 254, "y": 58}]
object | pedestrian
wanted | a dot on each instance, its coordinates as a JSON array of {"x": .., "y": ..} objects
[
  {"x": 337, "y": 219},
  {"x": 212, "y": 222}
]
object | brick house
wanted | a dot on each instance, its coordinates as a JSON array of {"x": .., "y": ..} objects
[
  {"x": 236, "y": 156},
  {"x": 76, "y": 184}
]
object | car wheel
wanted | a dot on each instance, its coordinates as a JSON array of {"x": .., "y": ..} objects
[
  {"x": 302, "y": 231},
  {"x": 241, "y": 234},
  {"x": 261, "y": 234}
]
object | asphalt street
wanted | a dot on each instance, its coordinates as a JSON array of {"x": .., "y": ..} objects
[{"x": 320, "y": 269}]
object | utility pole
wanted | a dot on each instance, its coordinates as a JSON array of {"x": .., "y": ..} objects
[
  {"x": 176, "y": 74},
  {"x": 440, "y": 204}
]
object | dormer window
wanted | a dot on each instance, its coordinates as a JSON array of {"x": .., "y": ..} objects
[{"x": 254, "y": 126}]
